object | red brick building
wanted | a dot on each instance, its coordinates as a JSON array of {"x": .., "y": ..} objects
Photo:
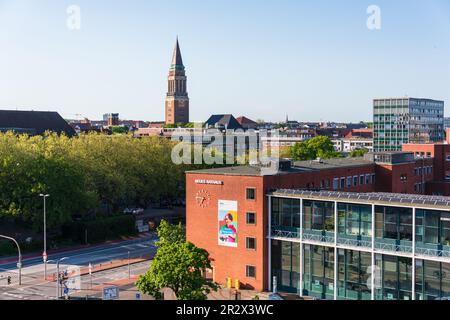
[
  {"x": 177, "y": 100},
  {"x": 439, "y": 155},
  {"x": 240, "y": 194}
]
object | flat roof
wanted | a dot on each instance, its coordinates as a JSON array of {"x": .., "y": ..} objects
[
  {"x": 297, "y": 167},
  {"x": 333, "y": 163},
  {"x": 409, "y": 200}
]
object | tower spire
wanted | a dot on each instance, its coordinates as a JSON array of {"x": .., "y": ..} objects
[
  {"x": 177, "y": 60},
  {"x": 177, "y": 99}
]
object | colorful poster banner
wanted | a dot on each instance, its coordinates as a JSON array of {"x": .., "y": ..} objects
[{"x": 228, "y": 223}]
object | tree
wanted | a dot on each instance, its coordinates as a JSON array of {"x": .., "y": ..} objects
[
  {"x": 178, "y": 265},
  {"x": 120, "y": 129},
  {"x": 318, "y": 147},
  {"x": 169, "y": 234},
  {"x": 358, "y": 153}
]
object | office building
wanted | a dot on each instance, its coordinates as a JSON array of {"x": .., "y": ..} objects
[
  {"x": 407, "y": 120},
  {"x": 318, "y": 226}
]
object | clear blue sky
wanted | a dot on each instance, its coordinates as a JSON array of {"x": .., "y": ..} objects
[{"x": 313, "y": 60}]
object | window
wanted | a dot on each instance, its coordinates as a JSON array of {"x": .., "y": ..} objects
[
  {"x": 250, "y": 271},
  {"x": 342, "y": 183},
  {"x": 251, "y": 218},
  {"x": 404, "y": 177},
  {"x": 335, "y": 183},
  {"x": 367, "y": 178},
  {"x": 349, "y": 182},
  {"x": 251, "y": 194},
  {"x": 355, "y": 181},
  {"x": 361, "y": 180},
  {"x": 251, "y": 243}
]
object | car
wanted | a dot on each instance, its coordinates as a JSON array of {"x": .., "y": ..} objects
[
  {"x": 138, "y": 211},
  {"x": 128, "y": 211}
]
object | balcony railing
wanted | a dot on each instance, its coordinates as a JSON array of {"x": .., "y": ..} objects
[
  {"x": 393, "y": 245},
  {"x": 285, "y": 232},
  {"x": 354, "y": 241},
  {"x": 432, "y": 250}
]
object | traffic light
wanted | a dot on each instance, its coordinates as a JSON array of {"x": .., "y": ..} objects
[{"x": 9, "y": 280}]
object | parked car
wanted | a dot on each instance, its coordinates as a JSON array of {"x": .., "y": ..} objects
[{"x": 138, "y": 211}]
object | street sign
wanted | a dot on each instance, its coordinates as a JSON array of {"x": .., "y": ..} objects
[
  {"x": 19, "y": 265},
  {"x": 111, "y": 293},
  {"x": 138, "y": 296},
  {"x": 44, "y": 256}
]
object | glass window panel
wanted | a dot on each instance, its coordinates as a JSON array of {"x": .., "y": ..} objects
[{"x": 287, "y": 212}]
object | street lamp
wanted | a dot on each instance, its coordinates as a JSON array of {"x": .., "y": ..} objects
[
  {"x": 57, "y": 275},
  {"x": 44, "y": 255},
  {"x": 129, "y": 267}
]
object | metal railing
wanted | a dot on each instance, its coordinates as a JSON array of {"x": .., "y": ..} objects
[{"x": 354, "y": 242}]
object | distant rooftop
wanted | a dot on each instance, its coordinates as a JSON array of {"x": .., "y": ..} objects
[
  {"x": 34, "y": 122},
  {"x": 377, "y": 198}
]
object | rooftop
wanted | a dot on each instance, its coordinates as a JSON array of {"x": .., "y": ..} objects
[
  {"x": 34, "y": 122},
  {"x": 297, "y": 167},
  {"x": 377, "y": 198}
]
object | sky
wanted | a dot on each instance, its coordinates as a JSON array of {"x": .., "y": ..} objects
[{"x": 312, "y": 60}]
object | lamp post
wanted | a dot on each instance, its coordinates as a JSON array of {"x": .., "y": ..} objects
[
  {"x": 57, "y": 275},
  {"x": 129, "y": 267},
  {"x": 44, "y": 255},
  {"x": 19, "y": 263}
]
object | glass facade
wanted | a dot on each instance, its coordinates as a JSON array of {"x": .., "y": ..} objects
[
  {"x": 318, "y": 272},
  {"x": 354, "y": 269},
  {"x": 392, "y": 236},
  {"x": 355, "y": 220},
  {"x": 286, "y": 265},
  {"x": 432, "y": 280},
  {"x": 408, "y": 120},
  {"x": 433, "y": 231},
  {"x": 395, "y": 282},
  {"x": 318, "y": 216},
  {"x": 286, "y": 213}
]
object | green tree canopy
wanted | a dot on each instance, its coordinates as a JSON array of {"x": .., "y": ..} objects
[
  {"x": 358, "y": 153},
  {"x": 318, "y": 147},
  {"x": 178, "y": 265}
]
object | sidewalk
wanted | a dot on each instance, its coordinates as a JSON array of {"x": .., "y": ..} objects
[
  {"x": 100, "y": 267},
  {"x": 225, "y": 294}
]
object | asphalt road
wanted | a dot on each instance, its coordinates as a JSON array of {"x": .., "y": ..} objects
[{"x": 34, "y": 287}]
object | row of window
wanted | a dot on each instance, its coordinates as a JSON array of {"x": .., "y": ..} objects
[
  {"x": 250, "y": 242},
  {"x": 353, "y": 181},
  {"x": 423, "y": 171},
  {"x": 422, "y": 154}
]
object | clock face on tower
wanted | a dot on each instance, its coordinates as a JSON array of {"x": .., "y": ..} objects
[{"x": 203, "y": 198}]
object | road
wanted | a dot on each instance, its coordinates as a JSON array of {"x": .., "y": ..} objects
[{"x": 34, "y": 286}]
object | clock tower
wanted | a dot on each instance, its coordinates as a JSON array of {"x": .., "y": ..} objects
[{"x": 177, "y": 99}]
